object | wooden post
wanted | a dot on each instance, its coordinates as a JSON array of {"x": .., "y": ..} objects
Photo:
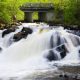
[{"x": 28, "y": 16}]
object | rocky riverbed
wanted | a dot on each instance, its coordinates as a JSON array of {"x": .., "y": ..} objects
[{"x": 62, "y": 73}]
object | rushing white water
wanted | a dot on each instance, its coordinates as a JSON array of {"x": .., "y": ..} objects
[{"x": 39, "y": 51}]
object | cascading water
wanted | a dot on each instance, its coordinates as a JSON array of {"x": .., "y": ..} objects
[{"x": 38, "y": 51}]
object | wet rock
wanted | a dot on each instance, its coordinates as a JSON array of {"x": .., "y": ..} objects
[
  {"x": 72, "y": 69},
  {"x": 0, "y": 49},
  {"x": 62, "y": 50},
  {"x": 19, "y": 36},
  {"x": 60, "y": 75},
  {"x": 57, "y": 53},
  {"x": 23, "y": 34},
  {"x": 7, "y": 31},
  {"x": 66, "y": 76},
  {"x": 51, "y": 56},
  {"x": 71, "y": 27},
  {"x": 76, "y": 32},
  {"x": 26, "y": 30},
  {"x": 79, "y": 51}
]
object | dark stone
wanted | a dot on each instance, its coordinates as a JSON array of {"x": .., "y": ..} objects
[
  {"x": 27, "y": 30},
  {"x": 76, "y": 77},
  {"x": 7, "y": 31},
  {"x": 23, "y": 34},
  {"x": 60, "y": 44},
  {"x": 60, "y": 75},
  {"x": 0, "y": 49},
  {"x": 72, "y": 27},
  {"x": 79, "y": 51},
  {"x": 52, "y": 56},
  {"x": 76, "y": 32},
  {"x": 62, "y": 49},
  {"x": 17, "y": 36},
  {"x": 63, "y": 54},
  {"x": 66, "y": 76}
]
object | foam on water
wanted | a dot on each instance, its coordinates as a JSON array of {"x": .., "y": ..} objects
[{"x": 28, "y": 55}]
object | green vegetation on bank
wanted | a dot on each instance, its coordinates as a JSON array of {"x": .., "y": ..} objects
[{"x": 66, "y": 11}]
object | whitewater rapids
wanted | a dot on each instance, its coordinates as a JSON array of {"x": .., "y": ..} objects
[{"x": 29, "y": 55}]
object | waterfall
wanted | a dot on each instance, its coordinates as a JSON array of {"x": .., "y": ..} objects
[
  {"x": 39, "y": 50},
  {"x": 33, "y": 45}
]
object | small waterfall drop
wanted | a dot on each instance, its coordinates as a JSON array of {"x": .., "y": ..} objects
[
  {"x": 38, "y": 51},
  {"x": 33, "y": 45}
]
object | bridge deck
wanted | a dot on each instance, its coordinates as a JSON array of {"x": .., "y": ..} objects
[{"x": 43, "y": 7}]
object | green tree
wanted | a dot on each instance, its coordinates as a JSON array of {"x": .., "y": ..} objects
[{"x": 4, "y": 15}]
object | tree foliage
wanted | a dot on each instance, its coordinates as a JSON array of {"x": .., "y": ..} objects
[
  {"x": 70, "y": 10},
  {"x": 67, "y": 10}
]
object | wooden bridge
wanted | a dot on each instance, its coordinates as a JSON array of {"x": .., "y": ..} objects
[{"x": 45, "y": 11}]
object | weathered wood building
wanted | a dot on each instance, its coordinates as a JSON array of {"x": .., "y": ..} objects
[{"x": 45, "y": 11}]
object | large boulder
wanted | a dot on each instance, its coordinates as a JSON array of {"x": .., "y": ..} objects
[
  {"x": 7, "y": 31},
  {"x": 23, "y": 34},
  {"x": 52, "y": 56},
  {"x": 57, "y": 53}
]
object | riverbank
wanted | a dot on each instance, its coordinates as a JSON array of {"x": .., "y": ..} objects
[
  {"x": 63, "y": 73},
  {"x": 66, "y": 26}
]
